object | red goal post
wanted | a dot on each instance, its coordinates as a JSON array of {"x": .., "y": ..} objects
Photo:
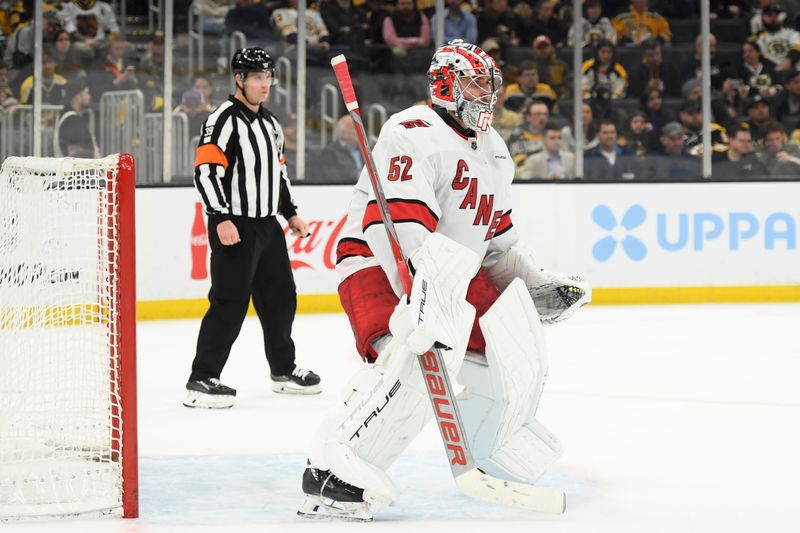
[{"x": 68, "y": 421}]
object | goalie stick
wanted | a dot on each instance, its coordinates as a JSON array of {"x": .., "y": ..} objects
[{"x": 470, "y": 479}]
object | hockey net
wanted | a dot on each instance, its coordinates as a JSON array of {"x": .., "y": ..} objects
[{"x": 67, "y": 337}]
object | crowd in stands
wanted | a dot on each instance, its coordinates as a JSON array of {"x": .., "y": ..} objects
[{"x": 641, "y": 80}]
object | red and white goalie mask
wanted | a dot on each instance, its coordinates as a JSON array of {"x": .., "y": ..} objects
[{"x": 465, "y": 79}]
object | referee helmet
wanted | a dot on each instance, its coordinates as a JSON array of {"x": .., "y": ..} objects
[{"x": 246, "y": 60}]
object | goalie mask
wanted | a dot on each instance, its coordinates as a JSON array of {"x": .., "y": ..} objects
[{"x": 465, "y": 80}]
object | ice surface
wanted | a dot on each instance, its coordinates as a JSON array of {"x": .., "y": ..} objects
[{"x": 673, "y": 419}]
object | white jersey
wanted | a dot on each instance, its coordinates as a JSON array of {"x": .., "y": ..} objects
[
  {"x": 777, "y": 46},
  {"x": 437, "y": 177}
]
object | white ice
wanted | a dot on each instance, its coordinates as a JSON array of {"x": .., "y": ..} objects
[{"x": 673, "y": 419}]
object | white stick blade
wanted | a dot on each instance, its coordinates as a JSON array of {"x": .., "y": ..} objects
[{"x": 480, "y": 486}]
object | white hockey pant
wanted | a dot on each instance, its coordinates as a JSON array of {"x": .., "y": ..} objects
[{"x": 502, "y": 392}]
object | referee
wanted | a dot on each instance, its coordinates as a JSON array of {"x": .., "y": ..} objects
[{"x": 240, "y": 173}]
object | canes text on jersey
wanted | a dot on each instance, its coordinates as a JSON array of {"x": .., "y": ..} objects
[{"x": 482, "y": 204}]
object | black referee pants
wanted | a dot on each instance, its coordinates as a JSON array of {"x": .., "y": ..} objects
[{"x": 258, "y": 266}]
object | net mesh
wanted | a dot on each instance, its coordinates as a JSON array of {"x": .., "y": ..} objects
[{"x": 60, "y": 414}]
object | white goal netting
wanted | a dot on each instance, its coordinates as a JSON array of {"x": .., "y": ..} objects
[{"x": 60, "y": 410}]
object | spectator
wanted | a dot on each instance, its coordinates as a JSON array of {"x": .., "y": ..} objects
[
  {"x": 497, "y": 21},
  {"x": 671, "y": 161},
  {"x": 552, "y": 163},
  {"x": 638, "y": 24},
  {"x": 740, "y": 161},
  {"x": 151, "y": 71},
  {"x": 341, "y": 161},
  {"x": 204, "y": 86},
  {"x": 589, "y": 131},
  {"x": 251, "y": 18},
  {"x": 754, "y": 72},
  {"x": 18, "y": 55},
  {"x": 787, "y": 102},
  {"x": 779, "y": 44},
  {"x": 528, "y": 139},
  {"x": 692, "y": 121},
  {"x": 758, "y": 112},
  {"x": 7, "y": 98},
  {"x": 692, "y": 67},
  {"x": 64, "y": 55},
  {"x": 505, "y": 121},
  {"x": 653, "y": 72},
  {"x": 552, "y": 70},
  {"x": 604, "y": 71},
  {"x": 596, "y": 27},
  {"x": 780, "y": 158},
  {"x": 635, "y": 139},
  {"x": 527, "y": 88},
  {"x": 756, "y": 23},
  {"x": 73, "y": 138},
  {"x": 317, "y": 38},
  {"x": 52, "y": 84},
  {"x": 458, "y": 23},
  {"x": 653, "y": 107},
  {"x": 88, "y": 22},
  {"x": 115, "y": 74},
  {"x": 692, "y": 89},
  {"x": 194, "y": 105},
  {"x": 609, "y": 160},
  {"x": 544, "y": 22},
  {"x": 406, "y": 28}
]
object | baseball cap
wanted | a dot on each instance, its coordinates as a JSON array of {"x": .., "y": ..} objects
[
  {"x": 541, "y": 40},
  {"x": 771, "y": 9},
  {"x": 672, "y": 128}
]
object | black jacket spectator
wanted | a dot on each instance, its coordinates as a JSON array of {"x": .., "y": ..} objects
[
  {"x": 653, "y": 72},
  {"x": 598, "y": 167}
]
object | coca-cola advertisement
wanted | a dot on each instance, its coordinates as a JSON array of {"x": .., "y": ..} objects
[{"x": 199, "y": 246}]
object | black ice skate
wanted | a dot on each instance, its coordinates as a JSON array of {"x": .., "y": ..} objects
[
  {"x": 298, "y": 381},
  {"x": 328, "y": 497},
  {"x": 209, "y": 393}
]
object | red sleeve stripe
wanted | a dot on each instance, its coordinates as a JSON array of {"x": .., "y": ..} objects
[
  {"x": 504, "y": 225},
  {"x": 402, "y": 211},
  {"x": 349, "y": 247}
]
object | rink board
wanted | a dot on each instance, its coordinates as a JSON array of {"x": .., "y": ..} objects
[{"x": 636, "y": 243}]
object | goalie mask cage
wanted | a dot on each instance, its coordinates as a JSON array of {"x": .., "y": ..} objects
[{"x": 67, "y": 337}]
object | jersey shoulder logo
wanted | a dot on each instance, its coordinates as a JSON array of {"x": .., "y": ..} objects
[{"x": 415, "y": 123}]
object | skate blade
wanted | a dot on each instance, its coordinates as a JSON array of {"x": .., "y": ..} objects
[
  {"x": 196, "y": 399},
  {"x": 315, "y": 508},
  {"x": 283, "y": 387}
]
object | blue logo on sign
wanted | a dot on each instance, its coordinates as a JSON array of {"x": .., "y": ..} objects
[{"x": 632, "y": 246}]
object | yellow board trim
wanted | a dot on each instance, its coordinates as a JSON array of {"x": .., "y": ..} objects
[
  {"x": 329, "y": 303},
  {"x": 696, "y": 295}
]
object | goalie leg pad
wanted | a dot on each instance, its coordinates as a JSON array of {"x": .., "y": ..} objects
[
  {"x": 384, "y": 408},
  {"x": 502, "y": 391}
]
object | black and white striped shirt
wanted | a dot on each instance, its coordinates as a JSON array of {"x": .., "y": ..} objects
[{"x": 240, "y": 169}]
